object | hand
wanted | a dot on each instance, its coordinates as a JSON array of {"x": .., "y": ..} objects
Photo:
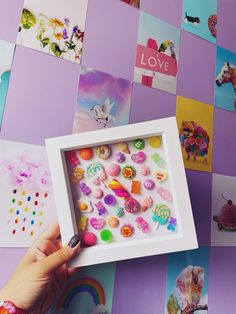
[{"x": 41, "y": 273}]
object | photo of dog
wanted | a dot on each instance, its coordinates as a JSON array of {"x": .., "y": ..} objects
[{"x": 192, "y": 19}]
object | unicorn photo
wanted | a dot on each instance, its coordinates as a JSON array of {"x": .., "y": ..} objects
[
  {"x": 227, "y": 75},
  {"x": 225, "y": 79}
]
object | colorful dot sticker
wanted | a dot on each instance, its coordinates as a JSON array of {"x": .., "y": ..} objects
[
  {"x": 24, "y": 219},
  {"x": 20, "y": 203},
  {"x": 17, "y": 212},
  {"x": 14, "y": 191},
  {"x": 41, "y": 213},
  {"x": 16, "y": 220},
  {"x": 28, "y": 198},
  {"x": 32, "y": 233},
  {"x": 36, "y": 203},
  {"x": 14, "y": 231},
  {"x": 23, "y": 228},
  {"x": 34, "y": 213},
  {"x": 32, "y": 222},
  {"x": 11, "y": 210},
  {"x": 23, "y": 193},
  {"x": 26, "y": 209},
  {"x": 13, "y": 200},
  {"x": 40, "y": 224},
  {"x": 37, "y": 194},
  {"x": 46, "y": 195}
]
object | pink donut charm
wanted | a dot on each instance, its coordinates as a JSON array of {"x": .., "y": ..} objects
[{"x": 132, "y": 206}]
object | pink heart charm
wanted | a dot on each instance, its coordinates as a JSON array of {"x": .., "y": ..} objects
[
  {"x": 97, "y": 223},
  {"x": 139, "y": 158}
]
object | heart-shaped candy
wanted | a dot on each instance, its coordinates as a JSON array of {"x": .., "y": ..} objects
[
  {"x": 97, "y": 223},
  {"x": 160, "y": 176},
  {"x": 139, "y": 158}
]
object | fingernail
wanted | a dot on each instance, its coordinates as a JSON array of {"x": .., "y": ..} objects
[{"x": 74, "y": 241}]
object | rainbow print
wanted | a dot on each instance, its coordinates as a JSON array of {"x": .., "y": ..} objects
[{"x": 86, "y": 284}]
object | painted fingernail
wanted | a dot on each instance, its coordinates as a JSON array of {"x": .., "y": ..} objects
[{"x": 74, "y": 241}]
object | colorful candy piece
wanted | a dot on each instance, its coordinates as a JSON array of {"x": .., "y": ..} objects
[
  {"x": 149, "y": 184},
  {"x": 86, "y": 153},
  {"x": 77, "y": 175},
  {"x": 109, "y": 200},
  {"x": 97, "y": 193},
  {"x": 161, "y": 214},
  {"x": 155, "y": 141},
  {"x": 101, "y": 208},
  {"x": 106, "y": 235},
  {"x": 96, "y": 170},
  {"x": 127, "y": 230},
  {"x": 113, "y": 170},
  {"x": 172, "y": 224},
  {"x": 132, "y": 206},
  {"x": 84, "y": 205},
  {"x": 139, "y": 144},
  {"x": 123, "y": 147},
  {"x": 160, "y": 176},
  {"x": 164, "y": 194},
  {"x": 84, "y": 189},
  {"x": 139, "y": 158},
  {"x": 83, "y": 223},
  {"x": 103, "y": 151},
  {"x": 147, "y": 203},
  {"x": 72, "y": 158},
  {"x": 119, "y": 212},
  {"x": 145, "y": 171},
  {"x": 129, "y": 172},
  {"x": 159, "y": 161},
  {"x": 97, "y": 223},
  {"x": 118, "y": 189},
  {"x": 88, "y": 239},
  {"x": 136, "y": 187},
  {"x": 142, "y": 224},
  {"x": 113, "y": 222},
  {"x": 120, "y": 157}
]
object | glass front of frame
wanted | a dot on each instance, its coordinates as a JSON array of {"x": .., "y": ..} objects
[{"x": 122, "y": 191}]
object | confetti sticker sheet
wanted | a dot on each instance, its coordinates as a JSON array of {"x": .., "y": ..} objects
[
  {"x": 122, "y": 191},
  {"x": 54, "y": 27},
  {"x": 27, "y": 203}
]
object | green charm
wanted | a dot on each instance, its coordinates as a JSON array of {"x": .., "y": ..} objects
[
  {"x": 139, "y": 144},
  {"x": 106, "y": 235}
]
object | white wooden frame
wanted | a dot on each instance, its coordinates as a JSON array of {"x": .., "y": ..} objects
[{"x": 184, "y": 239}]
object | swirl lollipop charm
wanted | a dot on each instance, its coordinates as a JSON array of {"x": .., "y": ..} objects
[
  {"x": 96, "y": 171},
  {"x": 161, "y": 215}
]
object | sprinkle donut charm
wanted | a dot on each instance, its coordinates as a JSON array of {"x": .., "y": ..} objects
[
  {"x": 103, "y": 152},
  {"x": 132, "y": 206},
  {"x": 212, "y": 22},
  {"x": 127, "y": 230}
]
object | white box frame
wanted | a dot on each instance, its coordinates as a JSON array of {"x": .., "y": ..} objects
[{"x": 184, "y": 239}]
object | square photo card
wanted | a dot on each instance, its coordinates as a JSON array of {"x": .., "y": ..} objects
[{"x": 123, "y": 190}]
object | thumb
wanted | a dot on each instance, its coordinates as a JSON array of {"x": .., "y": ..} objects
[{"x": 62, "y": 256}]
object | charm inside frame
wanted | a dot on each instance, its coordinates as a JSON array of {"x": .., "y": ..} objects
[{"x": 123, "y": 190}]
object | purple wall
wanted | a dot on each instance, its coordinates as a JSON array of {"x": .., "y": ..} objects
[{"x": 41, "y": 100}]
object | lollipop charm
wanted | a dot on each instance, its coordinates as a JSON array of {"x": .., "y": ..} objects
[
  {"x": 96, "y": 171},
  {"x": 118, "y": 189},
  {"x": 161, "y": 215}
]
